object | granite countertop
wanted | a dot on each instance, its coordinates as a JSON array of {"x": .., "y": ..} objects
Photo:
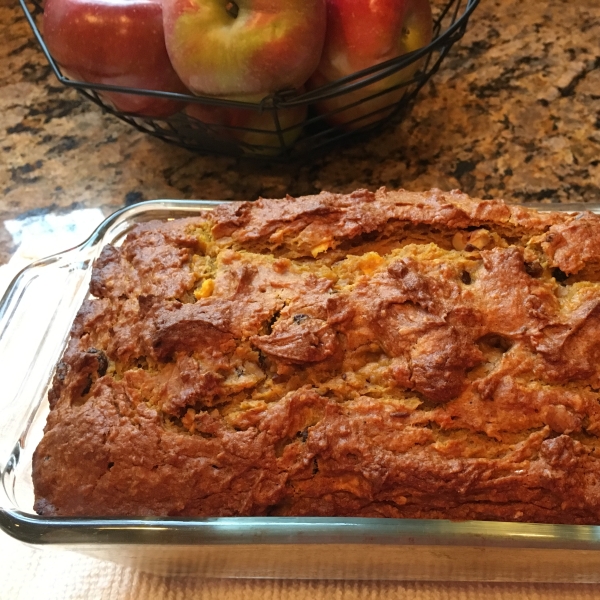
[{"x": 514, "y": 112}]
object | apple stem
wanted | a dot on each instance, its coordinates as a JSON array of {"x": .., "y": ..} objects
[{"x": 232, "y": 9}]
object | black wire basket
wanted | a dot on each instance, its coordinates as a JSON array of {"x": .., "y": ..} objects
[{"x": 273, "y": 138}]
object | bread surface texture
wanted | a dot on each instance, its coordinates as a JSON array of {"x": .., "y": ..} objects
[{"x": 387, "y": 354}]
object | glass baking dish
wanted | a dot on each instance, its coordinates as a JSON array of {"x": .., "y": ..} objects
[{"x": 35, "y": 317}]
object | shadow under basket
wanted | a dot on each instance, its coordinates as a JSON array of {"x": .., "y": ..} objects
[{"x": 273, "y": 135}]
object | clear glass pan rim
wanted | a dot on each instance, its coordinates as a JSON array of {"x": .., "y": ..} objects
[{"x": 34, "y": 529}]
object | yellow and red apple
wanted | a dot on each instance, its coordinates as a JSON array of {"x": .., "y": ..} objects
[
  {"x": 362, "y": 34},
  {"x": 235, "y": 48},
  {"x": 114, "y": 42},
  {"x": 255, "y": 129}
]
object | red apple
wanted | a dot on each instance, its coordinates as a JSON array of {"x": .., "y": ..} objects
[
  {"x": 232, "y": 48},
  {"x": 361, "y": 34},
  {"x": 255, "y": 129},
  {"x": 115, "y": 42}
]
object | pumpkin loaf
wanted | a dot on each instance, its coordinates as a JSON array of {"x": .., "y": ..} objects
[{"x": 387, "y": 354}]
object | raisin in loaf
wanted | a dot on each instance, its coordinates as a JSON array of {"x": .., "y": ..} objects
[{"x": 388, "y": 354}]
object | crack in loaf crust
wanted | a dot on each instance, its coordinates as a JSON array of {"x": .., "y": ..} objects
[{"x": 392, "y": 354}]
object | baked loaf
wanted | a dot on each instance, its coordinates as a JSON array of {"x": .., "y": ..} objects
[{"x": 388, "y": 354}]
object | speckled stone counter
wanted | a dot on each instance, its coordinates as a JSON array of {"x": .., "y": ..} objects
[{"x": 514, "y": 112}]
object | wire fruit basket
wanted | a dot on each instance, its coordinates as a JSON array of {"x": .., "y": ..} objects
[{"x": 274, "y": 138}]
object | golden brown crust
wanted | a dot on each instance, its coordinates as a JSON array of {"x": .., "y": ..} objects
[{"x": 374, "y": 354}]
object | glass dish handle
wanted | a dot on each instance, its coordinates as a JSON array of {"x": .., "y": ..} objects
[{"x": 35, "y": 316}]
